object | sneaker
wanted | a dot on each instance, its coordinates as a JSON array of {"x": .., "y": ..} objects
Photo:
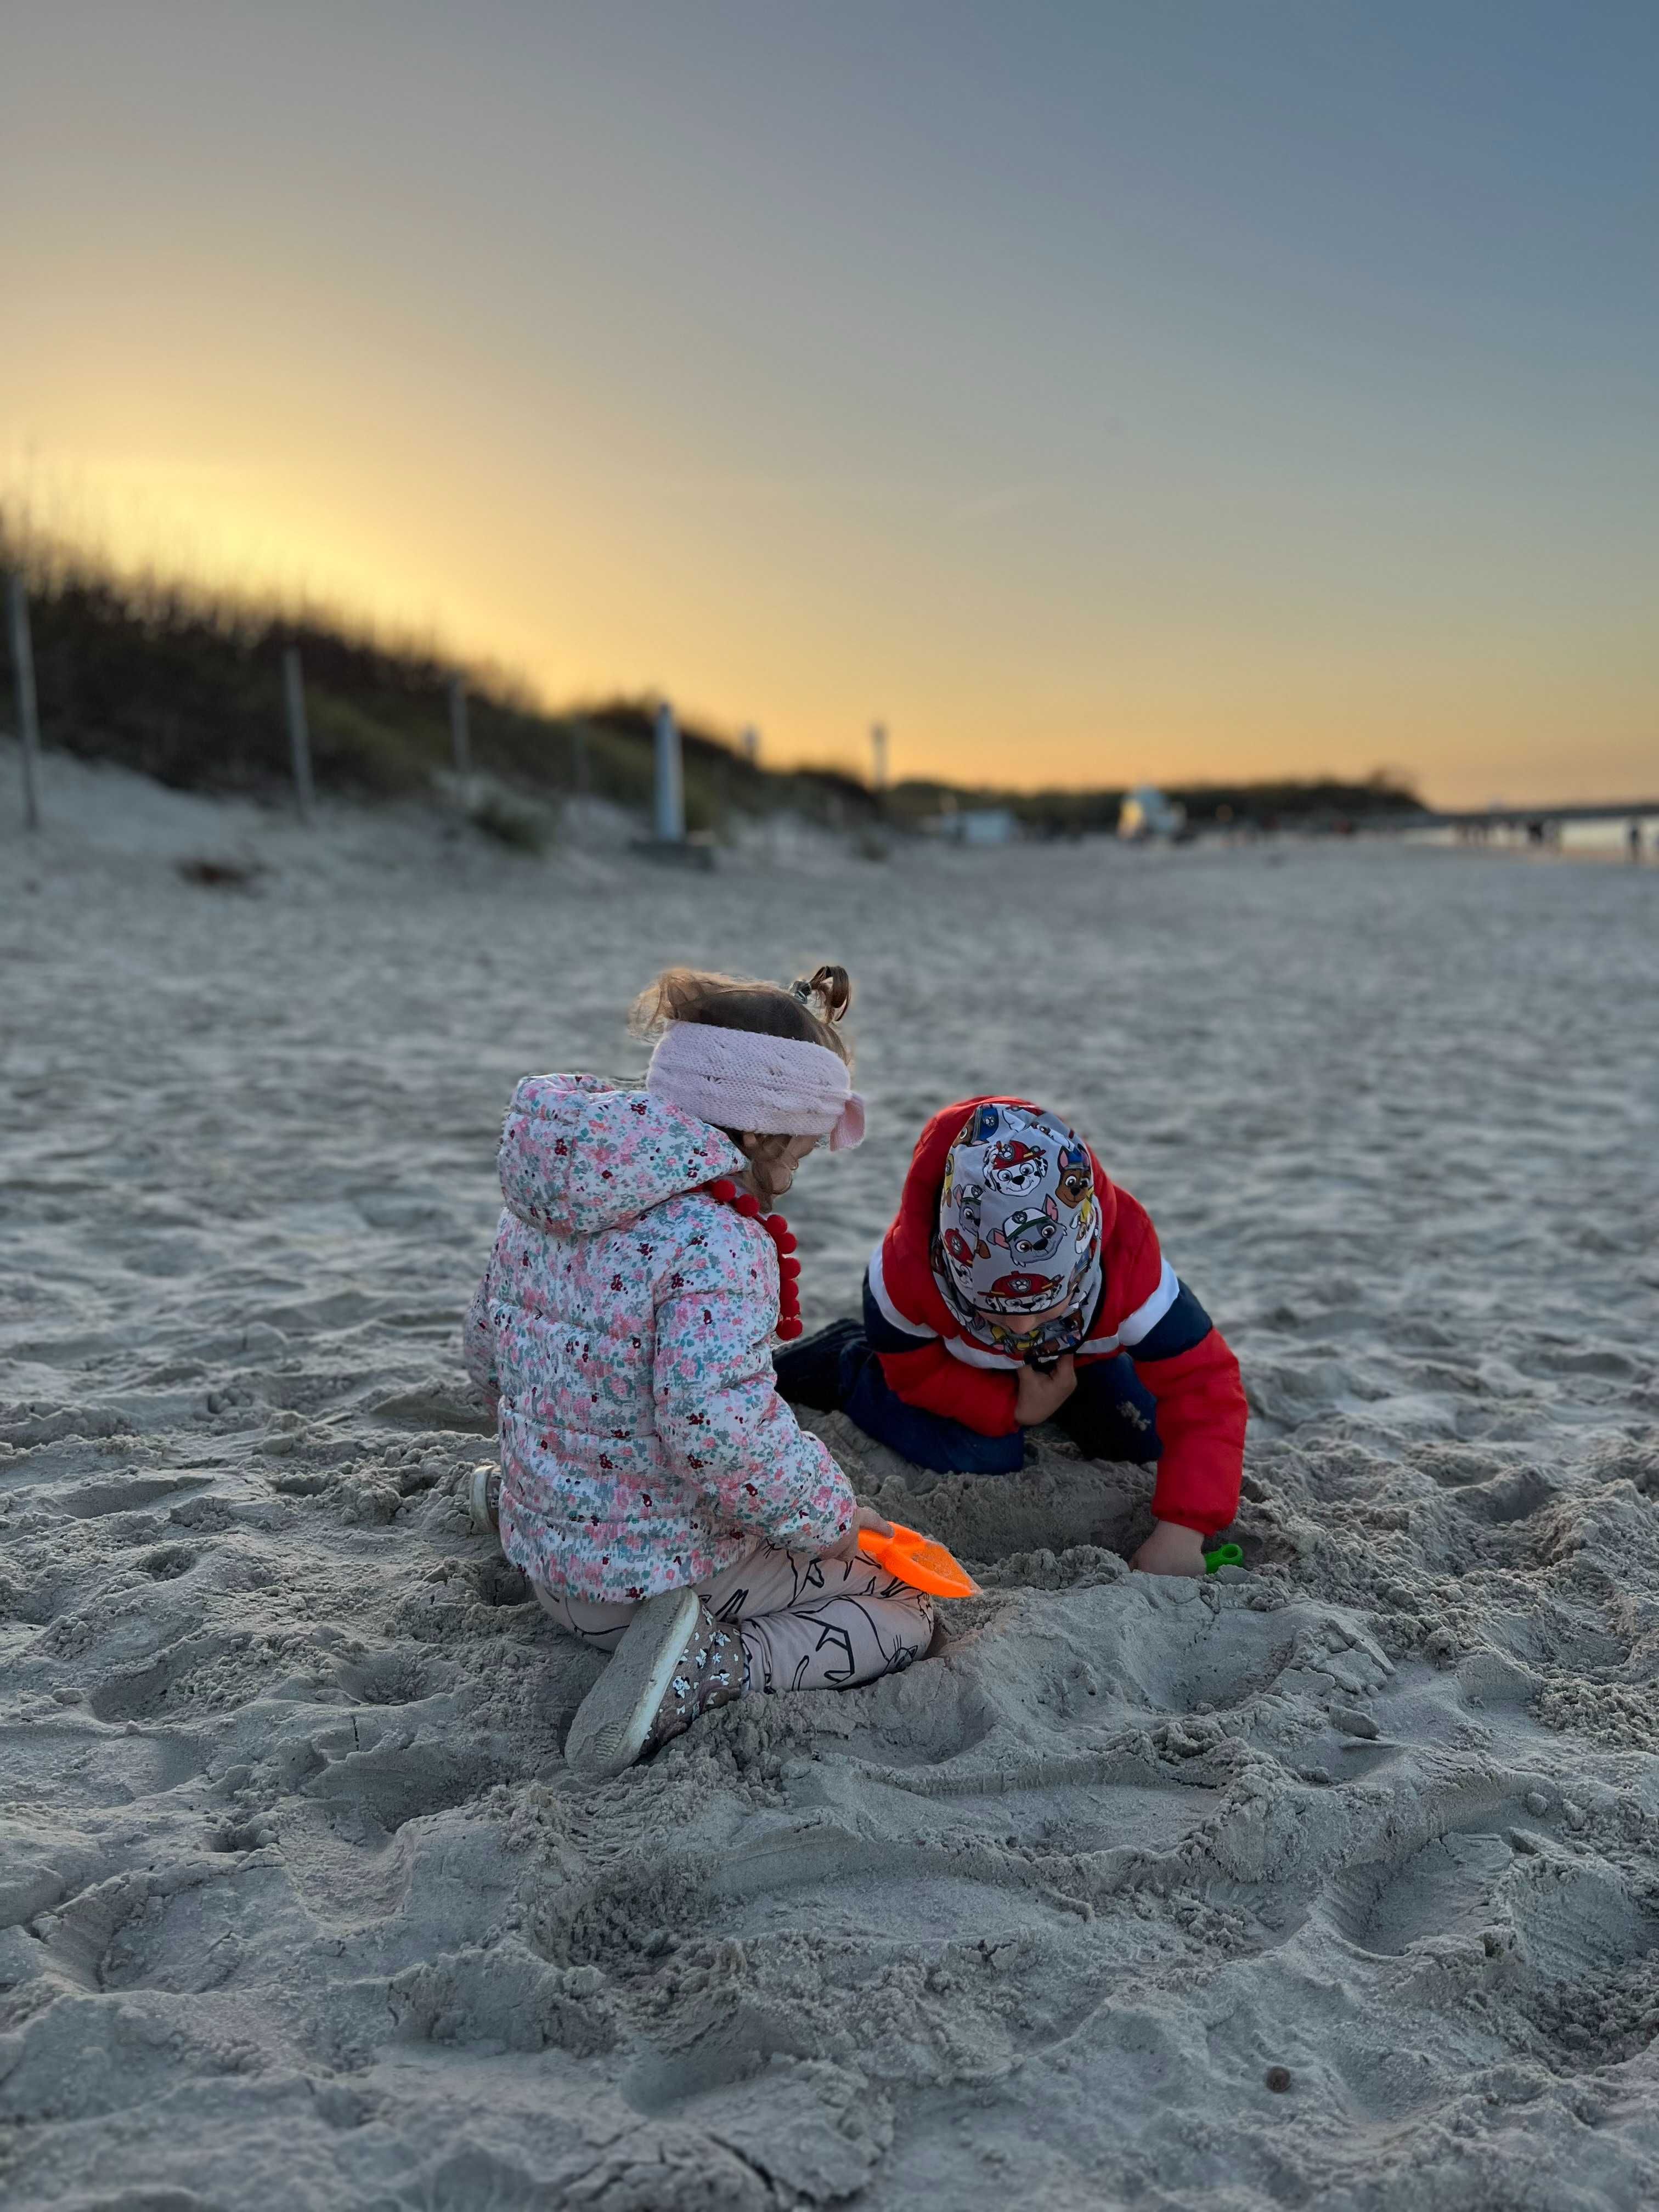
[
  {"x": 484, "y": 1501},
  {"x": 673, "y": 1662}
]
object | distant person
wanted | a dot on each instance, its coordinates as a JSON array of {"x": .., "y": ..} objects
[
  {"x": 1019, "y": 1285},
  {"x": 1633, "y": 841},
  {"x": 656, "y": 1489}
]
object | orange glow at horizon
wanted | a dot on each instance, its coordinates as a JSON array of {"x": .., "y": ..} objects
[
  {"x": 721, "y": 363},
  {"x": 364, "y": 551}
]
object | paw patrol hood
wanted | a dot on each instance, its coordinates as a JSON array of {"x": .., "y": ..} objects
[{"x": 1019, "y": 1226}]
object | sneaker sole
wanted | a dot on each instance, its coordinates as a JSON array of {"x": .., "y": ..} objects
[
  {"x": 614, "y": 1717},
  {"x": 477, "y": 1501}
]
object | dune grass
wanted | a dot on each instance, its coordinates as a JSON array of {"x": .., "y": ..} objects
[{"x": 186, "y": 685}]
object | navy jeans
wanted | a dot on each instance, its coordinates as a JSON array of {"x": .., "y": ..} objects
[{"x": 1110, "y": 1415}]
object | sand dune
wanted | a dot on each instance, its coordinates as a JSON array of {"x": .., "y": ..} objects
[{"x": 1329, "y": 1882}]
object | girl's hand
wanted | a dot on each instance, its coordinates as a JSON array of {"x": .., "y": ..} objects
[
  {"x": 1040, "y": 1397},
  {"x": 1170, "y": 1550},
  {"x": 848, "y": 1549}
]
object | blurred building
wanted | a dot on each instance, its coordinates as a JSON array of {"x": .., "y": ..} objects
[{"x": 1146, "y": 813}]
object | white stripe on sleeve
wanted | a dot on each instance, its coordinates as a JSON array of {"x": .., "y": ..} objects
[
  {"x": 889, "y": 1311},
  {"x": 1146, "y": 1318}
]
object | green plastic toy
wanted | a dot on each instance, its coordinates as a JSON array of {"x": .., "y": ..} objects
[{"x": 1224, "y": 1555}]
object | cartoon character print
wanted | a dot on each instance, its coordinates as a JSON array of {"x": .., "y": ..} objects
[
  {"x": 1032, "y": 1232},
  {"x": 1075, "y": 1187},
  {"x": 1014, "y": 1168},
  {"x": 1076, "y": 1184},
  {"x": 1019, "y": 1226},
  {"x": 1036, "y": 1290},
  {"x": 970, "y": 1212}
]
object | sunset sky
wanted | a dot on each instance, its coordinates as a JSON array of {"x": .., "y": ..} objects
[{"x": 1093, "y": 392}]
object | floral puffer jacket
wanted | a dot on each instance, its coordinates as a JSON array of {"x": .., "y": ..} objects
[{"x": 623, "y": 1328}]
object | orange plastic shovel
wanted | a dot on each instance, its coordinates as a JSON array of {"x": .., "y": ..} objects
[{"x": 910, "y": 1557}]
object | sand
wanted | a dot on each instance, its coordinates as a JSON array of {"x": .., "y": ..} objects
[{"x": 1329, "y": 1882}]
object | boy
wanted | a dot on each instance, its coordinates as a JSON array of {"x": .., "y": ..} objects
[{"x": 1016, "y": 1284}]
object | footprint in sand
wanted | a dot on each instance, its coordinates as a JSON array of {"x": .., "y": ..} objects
[{"x": 1179, "y": 1658}]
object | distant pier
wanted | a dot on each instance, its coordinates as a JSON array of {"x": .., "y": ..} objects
[{"x": 1527, "y": 818}]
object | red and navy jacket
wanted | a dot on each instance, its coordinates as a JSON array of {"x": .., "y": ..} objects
[{"x": 1145, "y": 1309}]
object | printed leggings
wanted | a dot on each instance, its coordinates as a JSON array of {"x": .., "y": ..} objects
[{"x": 806, "y": 1623}]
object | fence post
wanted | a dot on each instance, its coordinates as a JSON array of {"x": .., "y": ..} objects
[
  {"x": 29, "y": 729},
  {"x": 878, "y": 756},
  {"x": 751, "y": 746},
  {"x": 298, "y": 737},
  {"x": 668, "y": 823},
  {"x": 460, "y": 736}
]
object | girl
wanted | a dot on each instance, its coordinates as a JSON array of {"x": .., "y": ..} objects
[
  {"x": 657, "y": 1490},
  {"x": 1018, "y": 1284}
]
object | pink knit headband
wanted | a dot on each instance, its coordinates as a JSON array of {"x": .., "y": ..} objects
[{"x": 774, "y": 1087}]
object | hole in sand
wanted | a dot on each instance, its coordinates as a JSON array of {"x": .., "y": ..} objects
[
  {"x": 1386, "y": 1907},
  {"x": 1177, "y": 1662},
  {"x": 500, "y": 1583},
  {"x": 168, "y": 1562}
]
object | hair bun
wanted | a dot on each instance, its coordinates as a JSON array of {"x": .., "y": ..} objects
[{"x": 831, "y": 986}]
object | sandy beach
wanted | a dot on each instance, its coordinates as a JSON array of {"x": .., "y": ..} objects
[{"x": 1329, "y": 1882}]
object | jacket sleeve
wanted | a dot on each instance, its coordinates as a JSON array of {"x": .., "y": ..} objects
[
  {"x": 478, "y": 1340},
  {"x": 728, "y": 1433},
  {"x": 918, "y": 1368},
  {"x": 930, "y": 1378},
  {"x": 1190, "y": 1367}
]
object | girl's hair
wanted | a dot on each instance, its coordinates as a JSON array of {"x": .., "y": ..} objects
[
  {"x": 810, "y": 1010},
  {"x": 731, "y": 1002}
]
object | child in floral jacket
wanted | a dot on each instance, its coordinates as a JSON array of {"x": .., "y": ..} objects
[{"x": 657, "y": 1490}]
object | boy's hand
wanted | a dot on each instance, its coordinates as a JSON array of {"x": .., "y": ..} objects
[
  {"x": 1040, "y": 1397},
  {"x": 1170, "y": 1550},
  {"x": 847, "y": 1548}
]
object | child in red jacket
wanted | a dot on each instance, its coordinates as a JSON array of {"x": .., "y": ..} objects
[{"x": 1018, "y": 1284}]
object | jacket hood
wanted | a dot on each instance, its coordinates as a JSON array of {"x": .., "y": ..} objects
[{"x": 577, "y": 1157}]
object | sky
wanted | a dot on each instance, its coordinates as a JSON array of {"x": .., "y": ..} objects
[{"x": 1101, "y": 392}]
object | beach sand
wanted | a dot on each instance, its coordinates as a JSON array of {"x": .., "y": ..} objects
[{"x": 1330, "y": 1882}]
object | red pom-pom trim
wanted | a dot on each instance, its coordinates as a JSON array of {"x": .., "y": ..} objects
[{"x": 743, "y": 1202}]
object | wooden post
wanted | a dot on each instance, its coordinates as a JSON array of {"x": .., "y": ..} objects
[
  {"x": 298, "y": 737},
  {"x": 460, "y": 738},
  {"x": 878, "y": 756},
  {"x": 751, "y": 746},
  {"x": 28, "y": 727},
  {"x": 668, "y": 812}
]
